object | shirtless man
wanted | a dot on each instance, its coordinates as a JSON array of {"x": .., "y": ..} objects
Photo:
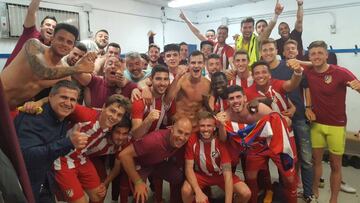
[
  {"x": 190, "y": 88},
  {"x": 36, "y": 66}
]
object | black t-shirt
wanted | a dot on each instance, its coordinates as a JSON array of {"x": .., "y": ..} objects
[{"x": 294, "y": 35}]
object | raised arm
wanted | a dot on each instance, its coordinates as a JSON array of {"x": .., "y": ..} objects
[
  {"x": 296, "y": 78},
  {"x": 30, "y": 18},
  {"x": 192, "y": 27},
  {"x": 299, "y": 16},
  {"x": 34, "y": 52},
  {"x": 267, "y": 32}
]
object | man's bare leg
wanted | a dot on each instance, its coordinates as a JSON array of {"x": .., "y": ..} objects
[
  {"x": 187, "y": 193},
  {"x": 317, "y": 154},
  {"x": 335, "y": 176}
]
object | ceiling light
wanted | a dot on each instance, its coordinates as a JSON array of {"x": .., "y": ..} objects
[{"x": 183, "y": 3}]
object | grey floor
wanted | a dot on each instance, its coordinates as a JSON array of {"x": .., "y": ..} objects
[{"x": 350, "y": 175}]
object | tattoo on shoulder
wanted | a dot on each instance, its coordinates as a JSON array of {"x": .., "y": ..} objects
[{"x": 34, "y": 52}]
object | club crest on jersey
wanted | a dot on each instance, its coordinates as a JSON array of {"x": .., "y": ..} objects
[
  {"x": 327, "y": 79},
  {"x": 69, "y": 192},
  {"x": 214, "y": 154}
]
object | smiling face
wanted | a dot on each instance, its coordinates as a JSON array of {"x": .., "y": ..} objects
[
  {"x": 47, "y": 29},
  {"x": 160, "y": 82},
  {"x": 318, "y": 56},
  {"x": 236, "y": 101},
  {"x": 120, "y": 135},
  {"x": 63, "y": 102},
  {"x": 184, "y": 51},
  {"x": 180, "y": 132},
  {"x": 241, "y": 63},
  {"x": 135, "y": 67},
  {"x": 213, "y": 65},
  {"x": 218, "y": 84},
  {"x": 62, "y": 43},
  {"x": 74, "y": 56},
  {"x": 102, "y": 39},
  {"x": 290, "y": 51},
  {"x": 260, "y": 27},
  {"x": 268, "y": 52},
  {"x": 207, "y": 49},
  {"x": 111, "y": 115},
  {"x": 196, "y": 64},
  {"x": 261, "y": 75},
  {"x": 207, "y": 128},
  {"x": 210, "y": 35},
  {"x": 154, "y": 54},
  {"x": 247, "y": 29},
  {"x": 222, "y": 35},
  {"x": 284, "y": 30}
]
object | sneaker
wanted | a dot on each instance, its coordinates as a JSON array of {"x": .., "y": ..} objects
[
  {"x": 268, "y": 196},
  {"x": 310, "y": 199},
  {"x": 322, "y": 183},
  {"x": 347, "y": 188}
]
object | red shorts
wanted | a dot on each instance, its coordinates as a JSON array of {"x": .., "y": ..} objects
[
  {"x": 72, "y": 181},
  {"x": 218, "y": 180},
  {"x": 260, "y": 160}
]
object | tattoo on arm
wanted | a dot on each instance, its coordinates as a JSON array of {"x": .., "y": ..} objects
[{"x": 34, "y": 52}]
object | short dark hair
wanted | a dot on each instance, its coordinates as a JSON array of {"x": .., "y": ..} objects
[
  {"x": 182, "y": 43},
  {"x": 318, "y": 43},
  {"x": 67, "y": 27},
  {"x": 206, "y": 42},
  {"x": 102, "y": 30},
  {"x": 171, "y": 47},
  {"x": 211, "y": 30},
  {"x": 261, "y": 21},
  {"x": 124, "y": 123},
  {"x": 197, "y": 53},
  {"x": 81, "y": 46},
  {"x": 218, "y": 74},
  {"x": 145, "y": 57},
  {"x": 66, "y": 84},
  {"x": 248, "y": 20},
  {"x": 48, "y": 17},
  {"x": 234, "y": 88},
  {"x": 159, "y": 68},
  {"x": 241, "y": 52},
  {"x": 213, "y": 56},
  {"x": 283, "y": 23},
  {"x": 114, "y": 44},
  {"x": 259, "y": 63},
  {"x": 268, "y": 41},
  {"x": 153, "y": 45},
  {"x": 120, "y": 100},
  {"x": 223, "y": 27}
]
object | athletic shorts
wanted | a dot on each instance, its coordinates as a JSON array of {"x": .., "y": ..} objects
[
  {"x": 72, "y": 181},
  {"x": 327, "y": 135},
  {"x": 204, "y": 180}
]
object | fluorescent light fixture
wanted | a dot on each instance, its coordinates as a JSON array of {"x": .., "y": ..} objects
[{"x": 183, "y": 3}]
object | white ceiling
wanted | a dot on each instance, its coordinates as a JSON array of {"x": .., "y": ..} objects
[{"x": 213, "y": 4}]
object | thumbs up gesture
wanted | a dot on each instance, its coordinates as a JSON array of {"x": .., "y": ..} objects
[{"x": 78, "y": 139}]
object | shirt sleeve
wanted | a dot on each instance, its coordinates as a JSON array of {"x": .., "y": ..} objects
[
  {"x": 94, "y": 81},
  {"x": 189, "y": 152},
  {"x": 230, "y": 52},
  {"x": 83, "y": 114},
  {"x": 148, "y": 143},
  {"x": 346, "y": 75},
  {"x": 278, "y": 85},
  {"x": 137, "y": 110}
]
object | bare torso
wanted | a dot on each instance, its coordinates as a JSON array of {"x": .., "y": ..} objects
[
  {"x": 19, "y": 81},
  {"x": 189, "y": 100}
]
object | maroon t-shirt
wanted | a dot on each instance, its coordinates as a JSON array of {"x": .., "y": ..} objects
[
  {"x": 328, "y": 93},
  {"x": 100, "y": 90},
  {"x": 154, "y": 148},
  {"x": 28, "y": 33}
]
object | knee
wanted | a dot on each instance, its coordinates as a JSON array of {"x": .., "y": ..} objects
[{"x": 245, "y": 194}]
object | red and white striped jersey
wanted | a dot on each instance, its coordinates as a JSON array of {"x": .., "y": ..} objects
[
  {"x": 105, "y": 147},
  {"x": 275, "y": 92},
  {"x": 140, "y": 111},
  {"x": 220, "y": 104},
  {"x": 87, "y": 119},
  {"x": 208, "y": 156},
  {"x": 242, "y": 83}
]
